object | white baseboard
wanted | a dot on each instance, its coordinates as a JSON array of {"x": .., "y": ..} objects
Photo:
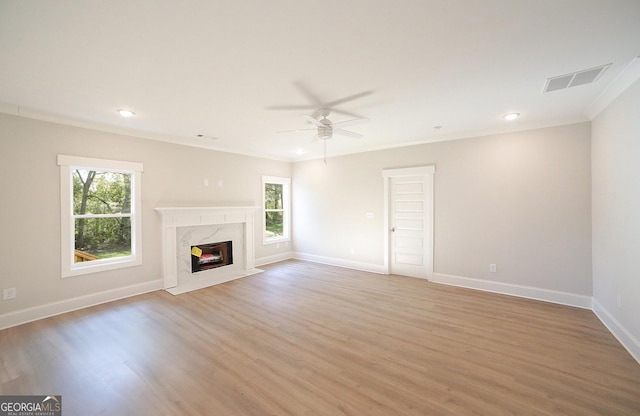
[
  {"x": 23, "y": 316},
  {"x": 628, "y": 341},
  {"x": 274, "y": 259},
  {"x": 553, "y": 296},
  {"x": 347, "y": 264}
]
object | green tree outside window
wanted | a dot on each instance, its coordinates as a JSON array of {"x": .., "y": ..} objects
[
  {"x": 274, "y": 209},
  {"x": 102, "y": 213}
]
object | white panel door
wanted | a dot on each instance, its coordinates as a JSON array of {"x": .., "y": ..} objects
[{"x": 409, "y": 221}]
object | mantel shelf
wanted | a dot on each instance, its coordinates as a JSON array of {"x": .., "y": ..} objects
[{"x": 196, "y": 209}]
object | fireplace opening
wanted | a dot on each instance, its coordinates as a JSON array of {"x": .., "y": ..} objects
[{"x": 210, "y": 256}]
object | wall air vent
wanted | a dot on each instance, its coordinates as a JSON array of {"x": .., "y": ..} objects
[{"x": 574, "y": 79}]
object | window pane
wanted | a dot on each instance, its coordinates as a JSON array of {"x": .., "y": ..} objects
[
  {"x": 96, "y": 192},
  {"x": 101, "y": 238},
  {"x": 273, "y": 196},
  {"x": 274, "y": 224}
]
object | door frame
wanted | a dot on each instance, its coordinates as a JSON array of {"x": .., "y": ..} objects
[{"x": 428, "y": 173}]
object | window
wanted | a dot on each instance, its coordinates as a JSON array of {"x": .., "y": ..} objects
[
  {"x": 100, "y": 212},
  {"x": 276, "y": 205}
]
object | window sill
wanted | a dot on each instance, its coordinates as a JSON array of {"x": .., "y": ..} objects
[{"x": 78, "y": 270}]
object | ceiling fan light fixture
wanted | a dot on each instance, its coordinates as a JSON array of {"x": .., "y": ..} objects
[
  {"x": 511, "y": 116},
  {"x": 325, "y": 133}
]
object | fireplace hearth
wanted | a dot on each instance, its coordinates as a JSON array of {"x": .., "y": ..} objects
[{"x": 211, "y": 256}]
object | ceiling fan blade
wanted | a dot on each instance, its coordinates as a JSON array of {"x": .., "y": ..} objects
[
  {"x": 308, "y": 94},
  {"x": 348, "y": 133},
  {"x": 349, "y": 98},
  {"x": 290, "y": 107},
  {"x": 295, "y": 130},
  {"x": 346, "y": 113},
  {"x": 341, "y": 124},
  {"x": 312, "y": 120}
]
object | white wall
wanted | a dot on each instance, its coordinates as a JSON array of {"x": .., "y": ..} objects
[
  {"x": 30, "y": 188},
  {"x": 520, "y": 200},
  {"x": 616, "y": 217}
]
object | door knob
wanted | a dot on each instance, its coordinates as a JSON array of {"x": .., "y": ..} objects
[{"x": 393, "y": 230}]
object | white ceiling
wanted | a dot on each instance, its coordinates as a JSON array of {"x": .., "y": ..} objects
[{"x": 221, "y": 68}]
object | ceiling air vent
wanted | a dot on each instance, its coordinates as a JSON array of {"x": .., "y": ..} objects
[{"x": 574, "y": 79}]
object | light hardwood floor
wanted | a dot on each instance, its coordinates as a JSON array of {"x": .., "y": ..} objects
[{"x": 307, "y": 339}]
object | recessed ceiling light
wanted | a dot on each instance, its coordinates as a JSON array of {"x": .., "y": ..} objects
[
  {"x": 511, "y": 116},
  {"x": 126, "y": 113}
]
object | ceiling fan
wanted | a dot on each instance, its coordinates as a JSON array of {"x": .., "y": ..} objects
[{"x": 326, "y": 128}]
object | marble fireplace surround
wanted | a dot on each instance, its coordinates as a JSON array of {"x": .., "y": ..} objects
[{"x": 178, "y": 221}]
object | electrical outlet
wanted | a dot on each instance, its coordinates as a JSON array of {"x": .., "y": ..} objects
[
  {"x": 492, "y": 268},
  {"x": 619, "y": 301},
  {"x": 9, "y": 293}
]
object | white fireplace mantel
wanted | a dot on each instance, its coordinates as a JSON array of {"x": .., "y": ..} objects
[{"x": 193, "y": 216}]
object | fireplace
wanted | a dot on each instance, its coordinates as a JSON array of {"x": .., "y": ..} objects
[
  {"x": 186, "y": 227},
  {"x": 211, "y": 256}
]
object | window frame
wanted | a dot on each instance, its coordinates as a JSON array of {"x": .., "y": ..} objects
[
  {"x": 68, "y": 164},
  {"x": 286, "y": 210}
]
